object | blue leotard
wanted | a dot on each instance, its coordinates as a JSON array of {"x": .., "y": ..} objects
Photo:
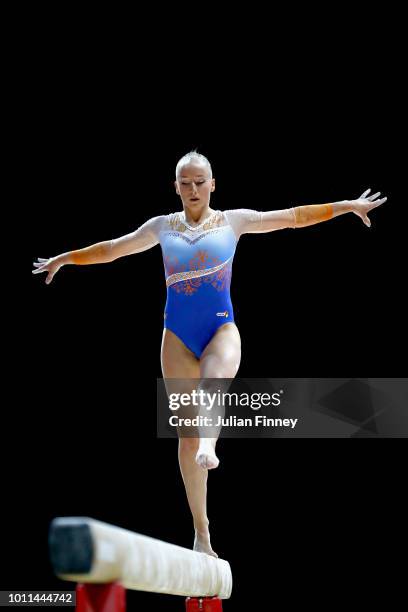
[{"x": 198, "y": 264}]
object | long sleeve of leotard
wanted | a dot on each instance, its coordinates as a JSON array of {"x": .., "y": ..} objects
[
  {"x": 244, "y": 220},
  {"x": 144, "y": 237}
]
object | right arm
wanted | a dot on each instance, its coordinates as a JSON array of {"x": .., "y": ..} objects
[{"x": 145, "y": 237}]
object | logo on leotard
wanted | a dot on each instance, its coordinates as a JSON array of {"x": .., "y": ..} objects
[{"x": 222, "y": 314}]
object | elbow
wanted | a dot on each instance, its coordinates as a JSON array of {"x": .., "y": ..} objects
[{"x": 110, "y": 252}]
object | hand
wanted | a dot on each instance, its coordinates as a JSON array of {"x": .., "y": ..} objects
[
  {"x": 364, "y": 204},
  {"x": 51, "y": 266}
]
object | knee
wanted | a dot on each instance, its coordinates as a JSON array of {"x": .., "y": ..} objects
[
  {"x": 210, "y": 377},
  {"x": 219, "y": 368},
  {"x": 188, "y": 446}
]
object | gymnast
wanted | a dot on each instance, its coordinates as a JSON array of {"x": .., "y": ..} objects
[{"x": 200, "y": 338}]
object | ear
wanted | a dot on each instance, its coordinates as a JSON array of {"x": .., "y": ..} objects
[
  {"x": 212, "y": 184},
  {"x": 176, "y": 186}
]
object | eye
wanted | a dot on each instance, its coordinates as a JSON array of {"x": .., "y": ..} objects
[{"x": 197, "y": 183}]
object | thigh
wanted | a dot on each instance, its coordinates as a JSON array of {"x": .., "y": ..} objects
[
  {"x": 222, "y": 355},
  {"x": 179, "y": 365},
  {"x": 177, "y": 361}
]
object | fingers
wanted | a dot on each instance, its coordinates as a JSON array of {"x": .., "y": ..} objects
[
  {"x": 374, "y": 204},
  {"x": 365, "y": 194},
  {"x": 378, "y": 202},
  {"x": 49, "y": 278},
  {"x": 40, "y": 264},
  {"x": 372, "y": 198}
]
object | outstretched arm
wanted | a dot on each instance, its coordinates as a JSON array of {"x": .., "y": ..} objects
[
  {"x": 246, "y": 221},
  {"x": 145, "y": 237},
  {"x": 316, "y": 213}
]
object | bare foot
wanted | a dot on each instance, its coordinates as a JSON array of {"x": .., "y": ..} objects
[
  {"x": 206, "y": 456},
  {"x": 202, "y": 543}
]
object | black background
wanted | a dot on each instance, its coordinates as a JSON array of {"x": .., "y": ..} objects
[{"x": 102, "y": 121}]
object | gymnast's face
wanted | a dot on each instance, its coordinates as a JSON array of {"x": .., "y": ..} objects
[{"x": 194, "y": 185}]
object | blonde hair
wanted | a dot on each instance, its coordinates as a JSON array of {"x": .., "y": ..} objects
[{"x": 193, "y": 156}]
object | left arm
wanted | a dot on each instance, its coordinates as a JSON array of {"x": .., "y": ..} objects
[
  {"x": 247, "y": 221},
  {"x": 302, "y": 216}
]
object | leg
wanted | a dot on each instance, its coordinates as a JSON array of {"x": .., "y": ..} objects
[
  {"x": 179, "y": 362},
  {"x": 220, "y": 359}
]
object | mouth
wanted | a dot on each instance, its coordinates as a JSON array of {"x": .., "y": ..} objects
[{"x": 194, "y": 199}]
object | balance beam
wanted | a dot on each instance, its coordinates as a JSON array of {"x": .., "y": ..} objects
[{"x": 85, "y": 550}]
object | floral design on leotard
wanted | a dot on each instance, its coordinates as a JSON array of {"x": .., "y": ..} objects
[{"x": 188, "y": 283}]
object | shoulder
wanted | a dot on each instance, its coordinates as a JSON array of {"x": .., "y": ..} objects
[
  {"x": 244, "y": 220},
  {"x": 155, "y": 224},
  {"x": 243, "y": 216},
  {"x": 243, "y": 213}
]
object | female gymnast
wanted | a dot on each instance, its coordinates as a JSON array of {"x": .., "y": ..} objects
[{"x": 200, "y": 339}]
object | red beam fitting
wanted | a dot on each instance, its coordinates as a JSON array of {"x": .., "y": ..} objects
[
  {"x": 100, "y": 598},
  {"x": 203, "y": 604}
]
